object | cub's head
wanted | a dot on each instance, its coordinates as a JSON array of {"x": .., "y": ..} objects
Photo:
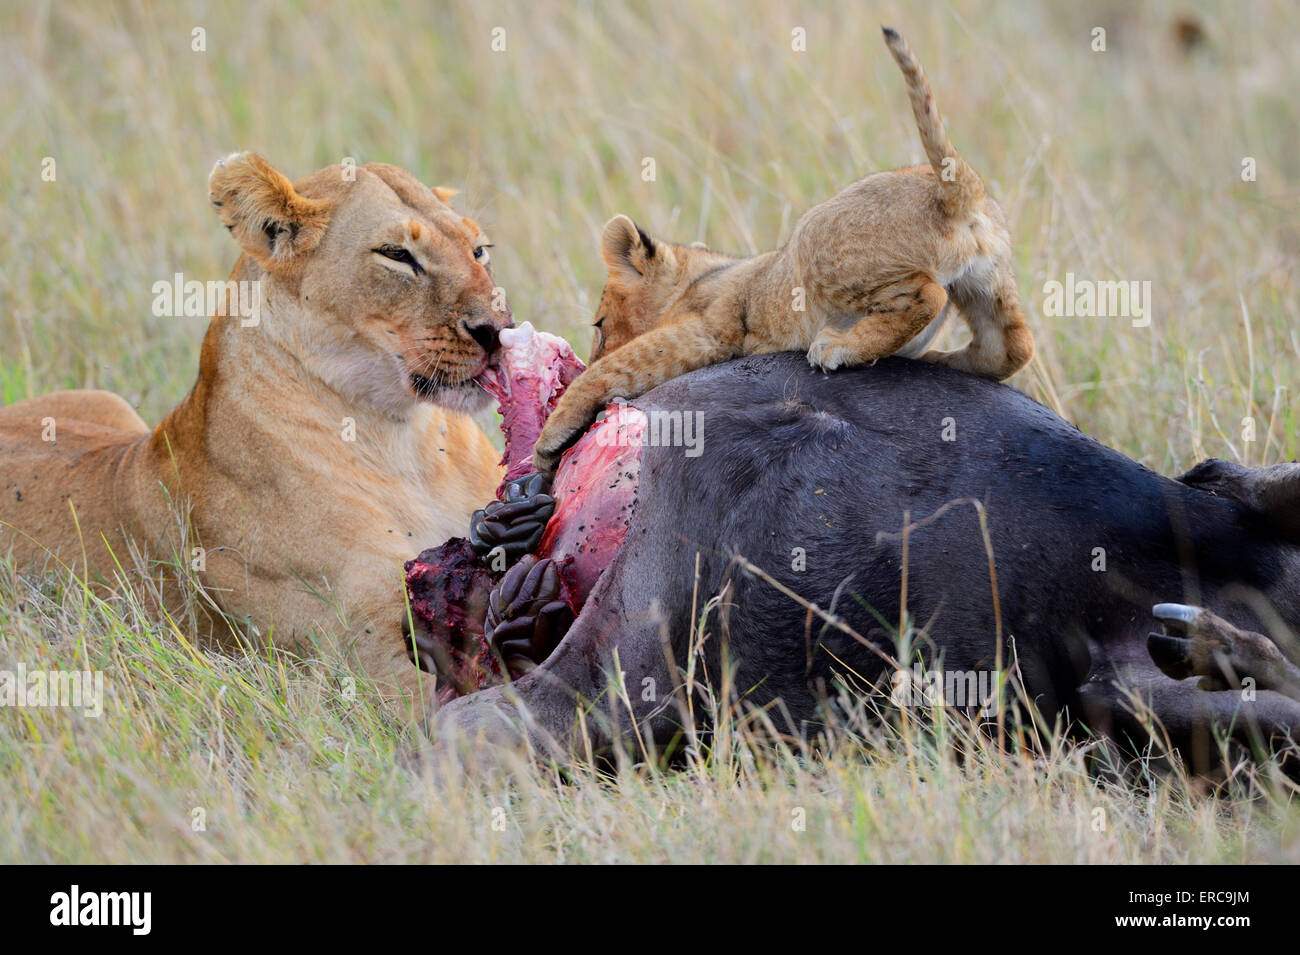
[
  {"x": 368, "y": 278},
  {"x": 649, "y": 282}
]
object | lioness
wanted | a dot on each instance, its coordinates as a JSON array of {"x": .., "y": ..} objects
[
  {"x": 868, "y": 273},
  {"x": 322, "y": 444}
]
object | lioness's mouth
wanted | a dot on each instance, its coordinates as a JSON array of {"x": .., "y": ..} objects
[
  {"x": 424, "y": 387},
  {"x": 428, "y": 388}
]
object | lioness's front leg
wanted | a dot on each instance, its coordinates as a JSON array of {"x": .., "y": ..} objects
[{"x": 384, "y": 654}]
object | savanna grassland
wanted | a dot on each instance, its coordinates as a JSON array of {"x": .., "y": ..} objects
[{"x": 1170, "y": 157}]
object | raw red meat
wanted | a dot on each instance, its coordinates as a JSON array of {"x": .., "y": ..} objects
[
  {"x": 527, "y": 376},
  {"x": 595, "y": 492},
  {"x": 448, "y": 588}
]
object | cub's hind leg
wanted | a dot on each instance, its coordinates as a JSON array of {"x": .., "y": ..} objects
[
  {"x": 1001, "y": 343},
  {"x": 888, "y": 317}
]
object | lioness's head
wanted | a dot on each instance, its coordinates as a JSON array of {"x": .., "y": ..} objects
[
  {"x": 648, "y": 283},
  {"x": 369, "y": 278}
]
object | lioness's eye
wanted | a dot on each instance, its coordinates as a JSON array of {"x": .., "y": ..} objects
[
  {"x": 600, "y": 321},
  {"x": 399, "y": 254},
  {"x": 480, "y": 251}
]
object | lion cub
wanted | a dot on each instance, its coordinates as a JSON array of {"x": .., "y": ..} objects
[{"x": 866, "y": 274}]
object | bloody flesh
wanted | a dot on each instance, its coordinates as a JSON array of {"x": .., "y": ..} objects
[
  {"x": 595, "y": 492},
  {"x": 447, "y": 586},
  {"x": 527, "y": 377}
]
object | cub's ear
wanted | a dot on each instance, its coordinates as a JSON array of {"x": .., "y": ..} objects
[
  {"x": 444, "y": 194},
  {"x": 1272, "y": 492},
  {"x": 626, "y": 249},
  {"x": 259, "y": 206}
]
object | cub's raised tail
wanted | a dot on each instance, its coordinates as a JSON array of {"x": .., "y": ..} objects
[{"x": 962, "y": 187}]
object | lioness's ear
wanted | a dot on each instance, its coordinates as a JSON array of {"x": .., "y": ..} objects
[
  {"x": 264, "y": 213},
  {"x": 444, "y": 193},
  {"x": 626, "y": 249},
  {"x": 1272, "y": 492}
]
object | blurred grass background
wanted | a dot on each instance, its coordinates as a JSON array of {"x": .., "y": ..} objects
[{"x": 1124, "y": 164}]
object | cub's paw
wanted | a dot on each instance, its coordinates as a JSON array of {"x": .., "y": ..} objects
[
  {"x": 559, "y": 433},
  {"x": 516, "y": 522},
  {"x": 827, "y": 353},
  {"x": 546, "y": 462},
  {"x": 526, "y": 617}
]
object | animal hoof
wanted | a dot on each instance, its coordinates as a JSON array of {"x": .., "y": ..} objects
[
  {"x": 1171, "y": 654},
  {"x": 1195, "y": 642},
  {"x": 1174, "y": 650},
  {"x": 1176, "y": 617}
]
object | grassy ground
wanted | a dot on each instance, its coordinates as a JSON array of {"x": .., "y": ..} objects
[{"x": 1124, "y": 164}]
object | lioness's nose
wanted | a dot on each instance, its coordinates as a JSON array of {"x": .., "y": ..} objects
[{"x": 485, "y": 333}]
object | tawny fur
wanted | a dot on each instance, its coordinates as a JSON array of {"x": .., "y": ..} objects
[
  {"x": 303, "y": 529},
  {"x": 869, "y": 273}
]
